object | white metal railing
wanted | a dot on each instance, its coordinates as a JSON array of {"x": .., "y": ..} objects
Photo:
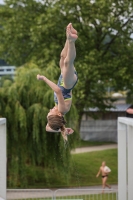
[
  {"x": 89, "y": 194},
  {"x": 62, "y": 194},
  {"x": 125, "y": 158},
  {"x": 7, "y": 70},
  {"x": 3, "y": 158}
]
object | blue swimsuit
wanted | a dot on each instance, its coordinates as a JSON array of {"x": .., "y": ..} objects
[{"x": 65, "y": 92}]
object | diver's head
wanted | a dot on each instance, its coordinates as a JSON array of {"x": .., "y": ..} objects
[{"x": 56, "y": 122}]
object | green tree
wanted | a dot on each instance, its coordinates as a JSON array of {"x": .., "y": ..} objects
[{"x": 33, "y": 26}]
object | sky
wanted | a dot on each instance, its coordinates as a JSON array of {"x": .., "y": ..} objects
[{"x": 1, "y": 2}]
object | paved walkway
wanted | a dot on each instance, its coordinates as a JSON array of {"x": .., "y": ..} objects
[{"x": 94, "y": 148}]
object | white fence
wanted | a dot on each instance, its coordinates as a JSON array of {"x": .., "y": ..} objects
[
  {"x": 85, "y": 194},
  {"x": 61, "y": 194},
  {"x": 125, "y": 158},
  {"x": 2, "y": 158},
  {"x": 7, "y": 70}
]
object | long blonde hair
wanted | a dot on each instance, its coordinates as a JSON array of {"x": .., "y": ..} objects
[{"x": 56, "y": 123}]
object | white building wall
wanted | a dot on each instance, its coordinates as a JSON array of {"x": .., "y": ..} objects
[{"x": 99, "y": 130}]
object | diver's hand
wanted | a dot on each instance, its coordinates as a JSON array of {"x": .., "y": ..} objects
[
  {"x": 69, "y": 131},
  {"x": 39, "y": 77}
]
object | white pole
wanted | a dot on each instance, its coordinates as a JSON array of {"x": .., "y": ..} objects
[
  {"x": 130, "y": 161},
  {"x": 125, "y": 158},
  {"x": 122, "y": 166},
  {"x": 2, "y": 158}
]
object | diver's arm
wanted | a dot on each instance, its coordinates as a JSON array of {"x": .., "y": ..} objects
[
  {"x": 53, "y": 86},
  {"x": 57, "y": 90}
]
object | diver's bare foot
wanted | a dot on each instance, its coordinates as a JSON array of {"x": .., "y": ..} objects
[
  {"x": 73, "y": 30},
  {"x": 70, "y": 36}
]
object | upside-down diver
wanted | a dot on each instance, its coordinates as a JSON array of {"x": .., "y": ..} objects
[{"x": 63, "y": 89}]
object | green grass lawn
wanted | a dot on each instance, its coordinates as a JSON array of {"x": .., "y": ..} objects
[
  {"x": 83, "y": 171},
  {"x": 86, "y": 166}
]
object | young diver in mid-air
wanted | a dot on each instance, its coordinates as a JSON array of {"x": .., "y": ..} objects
[{"x": 63, "y": 90}]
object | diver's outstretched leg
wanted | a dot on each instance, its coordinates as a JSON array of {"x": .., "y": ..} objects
[
  {"x": 69, "y": 76},
  {"x": 65, "y": 49}
]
